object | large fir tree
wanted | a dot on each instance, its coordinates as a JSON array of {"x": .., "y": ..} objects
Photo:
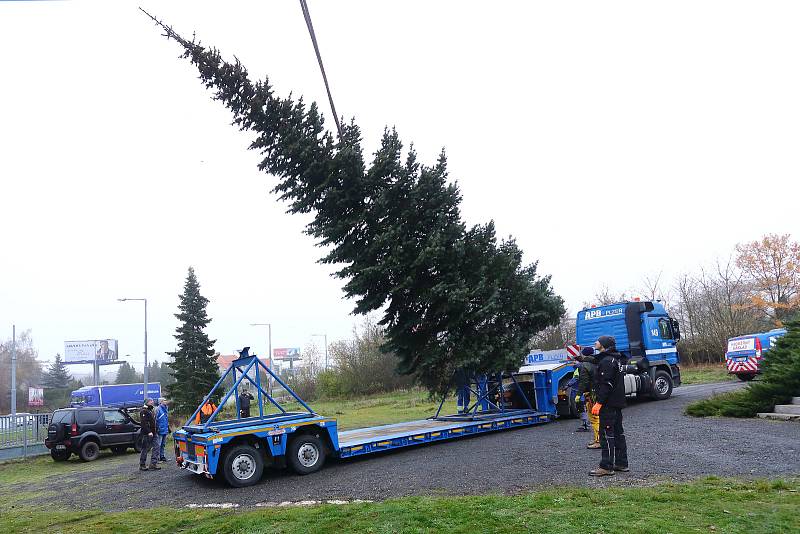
[
  {"x": 56, "y": 376},
  {"x": 193, "y": 365},
  {"x": 453, "y": 298}
]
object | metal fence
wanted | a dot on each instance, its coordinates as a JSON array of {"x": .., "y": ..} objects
[{"x": 22, "y": 434}]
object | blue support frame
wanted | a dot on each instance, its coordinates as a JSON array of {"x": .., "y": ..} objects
[{"x": 247, "y": 362}]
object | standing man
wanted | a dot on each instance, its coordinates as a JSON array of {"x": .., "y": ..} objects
[
  {"x": 244, "y": 403},
  {"x": 162, "y": 422},
  {"x": 609, "y": 401},
  {"x": 586, "y": 385},
  {"x": 150, "y": 435}
]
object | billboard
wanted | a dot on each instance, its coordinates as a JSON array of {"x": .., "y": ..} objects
[
  {"x": 286, "y": 354},
  {"x": 35, "y": 396},
  {"x": 102, "y": 350}
]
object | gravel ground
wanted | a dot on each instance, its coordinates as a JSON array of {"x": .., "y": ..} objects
[{"x": 663, "y": 445}]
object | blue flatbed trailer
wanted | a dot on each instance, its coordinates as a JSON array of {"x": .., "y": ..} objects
[{"x": 239, "y": 449}]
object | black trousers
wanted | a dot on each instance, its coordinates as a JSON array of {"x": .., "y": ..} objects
[{"x": 612, "y": 439}]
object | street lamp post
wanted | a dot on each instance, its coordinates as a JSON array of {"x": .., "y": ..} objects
[
  {"x": 269, "y": 344},
  {"x": 326, "y": 347},
  {"x": 145, "y": 343}
]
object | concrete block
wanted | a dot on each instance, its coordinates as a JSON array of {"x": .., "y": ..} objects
[
  {"x": 788, "y": 408},
  {"x": 780, "y": 416}
]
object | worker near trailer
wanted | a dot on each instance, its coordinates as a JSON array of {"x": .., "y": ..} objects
[
  {"x": 162, "y": 422},
  {"x": 609, "y": 401},
  {"x": 245, "y": 397},
  {"x": 150, "y": 436},
  {"x": 587, "y": 371},
  {"x": 205, "y": 412},
  {"x": 574, "y": 392}
]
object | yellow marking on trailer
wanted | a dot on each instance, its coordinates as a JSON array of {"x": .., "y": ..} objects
[
  {"x": 517, "y": 420},
  {"x": 421, "y": 436},
  {"x": 356, "y": 448},
  {"x": 436, "y": 434},
  {"x": 486, "y": 426},
  {"x": 269, "y": 427},
  {"x": 382, "y": 443},
  {"x": 457, "y": 430}
]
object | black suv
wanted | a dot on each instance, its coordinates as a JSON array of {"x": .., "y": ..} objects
[{"x": 84, "y": 431}]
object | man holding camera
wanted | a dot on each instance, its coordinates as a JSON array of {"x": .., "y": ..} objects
[{"x": 610, "y": 399}]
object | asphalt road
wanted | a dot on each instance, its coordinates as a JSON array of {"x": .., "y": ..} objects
[{"x": 663, "y": 445}]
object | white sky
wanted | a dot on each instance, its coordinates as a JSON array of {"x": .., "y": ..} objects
[{"x": 656, "y": 134}]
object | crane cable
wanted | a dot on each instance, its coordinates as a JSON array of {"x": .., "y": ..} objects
[{"x": 310, "y": 26}]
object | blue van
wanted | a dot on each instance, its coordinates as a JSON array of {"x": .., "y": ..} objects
[{"x": 744, "y": 354}]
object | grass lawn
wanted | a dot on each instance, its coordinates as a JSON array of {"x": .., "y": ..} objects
[
  {"x": 705, "y": 373},
  {"x": 709, "y": 505}
]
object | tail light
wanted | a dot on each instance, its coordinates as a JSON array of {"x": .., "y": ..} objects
[
  {"x": 73, "y": 431},
  {"x": 758, "y": 348}
]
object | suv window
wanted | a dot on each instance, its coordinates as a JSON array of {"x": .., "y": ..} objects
[
  {"x": 62, "y": 416},
  {"x": 88, "y": 417},
  {"x": 664, "y": 329},
  {"x": 114, "y": 417}
]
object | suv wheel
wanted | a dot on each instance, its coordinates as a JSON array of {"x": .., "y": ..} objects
[
  {"x": 60, "y": 456},
  {"x": 89, "y": 452}
]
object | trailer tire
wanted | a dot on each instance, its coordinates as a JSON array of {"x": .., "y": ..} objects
[
  {"x": 745, "y": 377},
  {"x": 90, "y": 451},
  {"x": 243, "y": 466},
  {"x": 60, "y": 456},
  {"x": 662, "y": 385},
  {"x": 306, "y": 454}
]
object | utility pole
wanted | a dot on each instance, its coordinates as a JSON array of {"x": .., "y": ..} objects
[
  {"x": 145, "y": 343},
  {"x": 269, "y": 345},
  {"x": 14, "y": 370},
  {"x": 326, "y": 347}
]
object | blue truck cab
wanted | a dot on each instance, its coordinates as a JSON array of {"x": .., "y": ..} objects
[
  {"x": 647, "y": 337},
  {"x": 744, "y": 354}
]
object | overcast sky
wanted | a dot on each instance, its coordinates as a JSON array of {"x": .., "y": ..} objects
[{"x": 613, "y": 140}]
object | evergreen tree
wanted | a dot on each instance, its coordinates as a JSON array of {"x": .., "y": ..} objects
[
  {"x": 454, "y": 299},
  {"x": 194, "y": 365},
  {"x": 56, "y": 376},
  {"x": 126, "y": 374}
]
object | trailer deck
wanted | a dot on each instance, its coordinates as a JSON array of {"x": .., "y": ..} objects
[{"x": 386, "y": 437}]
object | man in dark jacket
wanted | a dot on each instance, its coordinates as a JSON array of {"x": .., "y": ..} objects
[
  {"x": 244, "y": 403},
  {"x": 610, "y": 399},
  {"x": 149, "y": 436}
]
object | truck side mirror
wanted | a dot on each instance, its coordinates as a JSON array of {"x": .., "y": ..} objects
[{"x": 676, "y": 329}]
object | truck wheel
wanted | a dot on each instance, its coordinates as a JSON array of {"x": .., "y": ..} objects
[
  {"x": 60, "y": 456},
  {"x": 662, "y": 386},
  {"x": 306, "y": 454},
  {"x": 243, "y": 466},
  {"x": 745, "y": 377},
  {"x": 89, "y": 452}
]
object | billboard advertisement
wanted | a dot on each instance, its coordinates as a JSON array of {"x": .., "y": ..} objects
[
  {"x": 102, "y": 350},
  {"x": 35, "y": 396},
  {"x": 286, "y": 354}
]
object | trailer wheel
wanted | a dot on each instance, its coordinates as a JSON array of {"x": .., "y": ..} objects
[
  {"x": 243, "y": 466},
  {"x": 745, "y": 377},
  {"x": 306, "y": 454},
  {"x": 89, "y": 452},
  {"x": 662, "y": 386}
]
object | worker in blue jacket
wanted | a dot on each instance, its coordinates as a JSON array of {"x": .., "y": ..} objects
[
  {"x": 162, "y": 424},
  {"x": 609, "y": 401}
]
